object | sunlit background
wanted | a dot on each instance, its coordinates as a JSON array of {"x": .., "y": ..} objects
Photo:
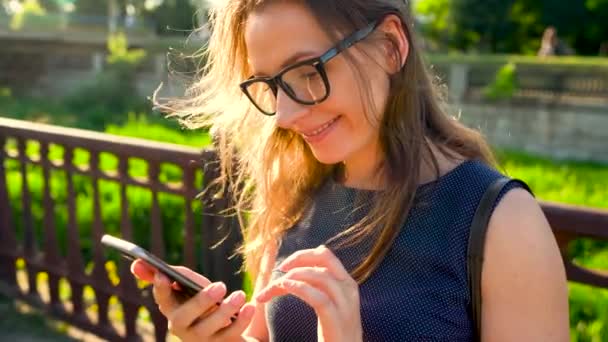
[{"x": 532, "y": 75}]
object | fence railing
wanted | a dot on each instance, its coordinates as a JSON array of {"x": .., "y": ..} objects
[
  {"x": 570, "y": 223},
  {"x": 38, "y": 241},
  {"x": 20, "y": 236}
]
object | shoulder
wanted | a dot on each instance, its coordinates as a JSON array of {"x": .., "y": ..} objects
[
  {"x": 519, "y": 222},
  {"x": 523, "y": 278}
]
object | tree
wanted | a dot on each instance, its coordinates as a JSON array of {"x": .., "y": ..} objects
[
  {"x": 513, "y": 26},
  {"x": 435, "y": 21},
  {"x": 598, "y": 10},
  {"x": 30, "y": 15},
  {"x": 481, "y": 24},
  {"x": 91, "y": 7},
  {"x": 581, "y": 24},
  {"x": 173, "y": 17},
  {"x": 51, "y": 6}
]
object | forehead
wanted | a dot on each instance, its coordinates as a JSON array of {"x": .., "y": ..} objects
[{"x": 279, "y": 31}]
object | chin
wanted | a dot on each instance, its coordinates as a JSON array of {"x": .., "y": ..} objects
[{"x": 329, "y": 157}]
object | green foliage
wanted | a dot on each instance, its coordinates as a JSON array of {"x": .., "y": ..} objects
[
  {"x": 572, "y": 182},
  {"x": 51, "y": 5},
  {"x": 120, "y": 52},
  {"x": 35, "y": 15},
  {"x": 581, "y": 24},
  {"x": 437, "y": 25},
  {"x": 588, "y": 315},
  {"x": 139, "y": 126},
  {"x": 481, "y": 24},
  {"x": 91, "y": 7},
  {"x": 174, "y": 17},
  {"x": 114, "y": 89},
  {"x": 5, "y": 93},
  {"x": 514, "y": 26},
  {"x": 31, "y": 11},
  {"x": 48, "y": 110},
  {"x": 504, "y": 85},
  {"x": 97, "y": 119}
]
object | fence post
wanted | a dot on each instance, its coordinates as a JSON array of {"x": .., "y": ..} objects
[
  {"x": 221, "y": 233},
  {"x": 8, "y": 243}
]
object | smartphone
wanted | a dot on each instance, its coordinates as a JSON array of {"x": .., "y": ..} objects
[{"x": 188, "y": 287}]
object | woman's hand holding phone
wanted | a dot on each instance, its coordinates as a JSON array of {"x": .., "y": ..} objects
[{"x": 198, "y": 318}]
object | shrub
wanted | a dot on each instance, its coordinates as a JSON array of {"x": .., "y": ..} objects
[
  {"x": 504, "y": 85},
  {"x": 113, "y": 91}
]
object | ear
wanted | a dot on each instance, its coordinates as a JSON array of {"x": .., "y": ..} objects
[{"x": 392, "y": 28}]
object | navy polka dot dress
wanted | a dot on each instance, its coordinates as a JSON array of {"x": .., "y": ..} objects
[{"x": 419, "y": 292}]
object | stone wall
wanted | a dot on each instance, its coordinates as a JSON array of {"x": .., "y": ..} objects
[
  {"x": 557, "y": 111},
  {"x": 560, "y": 132}
]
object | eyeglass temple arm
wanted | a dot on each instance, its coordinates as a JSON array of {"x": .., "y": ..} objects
[{"x": 348, "y": 42}]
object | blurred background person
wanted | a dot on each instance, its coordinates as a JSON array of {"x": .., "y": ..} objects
[{"x": 551, "y": 45}]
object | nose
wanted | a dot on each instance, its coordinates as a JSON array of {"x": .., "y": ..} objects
[{"x": 288, "y": 111}]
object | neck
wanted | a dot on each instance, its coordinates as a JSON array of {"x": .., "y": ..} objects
[{"x": 361, "y": 171}]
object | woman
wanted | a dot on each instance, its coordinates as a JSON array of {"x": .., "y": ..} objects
[
  {"x": 551, "y": 45},
  {"x": 360, "y": 189}
]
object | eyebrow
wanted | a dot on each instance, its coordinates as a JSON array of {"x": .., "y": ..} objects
[{"x": 294, "y": 58}]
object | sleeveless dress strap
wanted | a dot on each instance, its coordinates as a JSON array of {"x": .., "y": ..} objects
[{"x": 477, "y": 237}]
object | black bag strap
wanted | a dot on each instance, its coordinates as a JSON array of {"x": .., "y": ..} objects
[{"x": 477, "y": 238}]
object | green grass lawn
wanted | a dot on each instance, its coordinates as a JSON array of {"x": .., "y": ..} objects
[{"x": 572, "y": 182}]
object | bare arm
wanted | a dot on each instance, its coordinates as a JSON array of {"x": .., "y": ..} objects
[{"x": 524, "y": 288}]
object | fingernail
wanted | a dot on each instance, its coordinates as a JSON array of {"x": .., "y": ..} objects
[
  {"x": 157, "y": 278},
  {"x": 216, "y": 289},
  {"x": 247, "y": 311},
  {"x": 236, "y": 298},
  {"x": 260, "y": 296}
]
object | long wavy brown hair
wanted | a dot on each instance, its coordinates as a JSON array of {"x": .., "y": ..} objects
[{"x": 276, "y": 171}]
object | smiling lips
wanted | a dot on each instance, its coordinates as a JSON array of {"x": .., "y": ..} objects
[{"x": 320, "y": 129}]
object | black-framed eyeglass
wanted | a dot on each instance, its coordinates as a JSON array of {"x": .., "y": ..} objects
[{"x": 305, "y": 82}]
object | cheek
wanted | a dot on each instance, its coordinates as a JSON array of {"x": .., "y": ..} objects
[
  {"x": 362, "y": 107},
  {"x": 367, "y": 89},
  {"x": 378, "y": 95},
  {"x": 357, "y": 126},
  {"x": 345, "y": 96}
]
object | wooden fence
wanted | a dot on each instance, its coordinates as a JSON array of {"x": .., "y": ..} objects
[
  {"x": 569, "y": 223},
  {"x": 23, "y": 243}
]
